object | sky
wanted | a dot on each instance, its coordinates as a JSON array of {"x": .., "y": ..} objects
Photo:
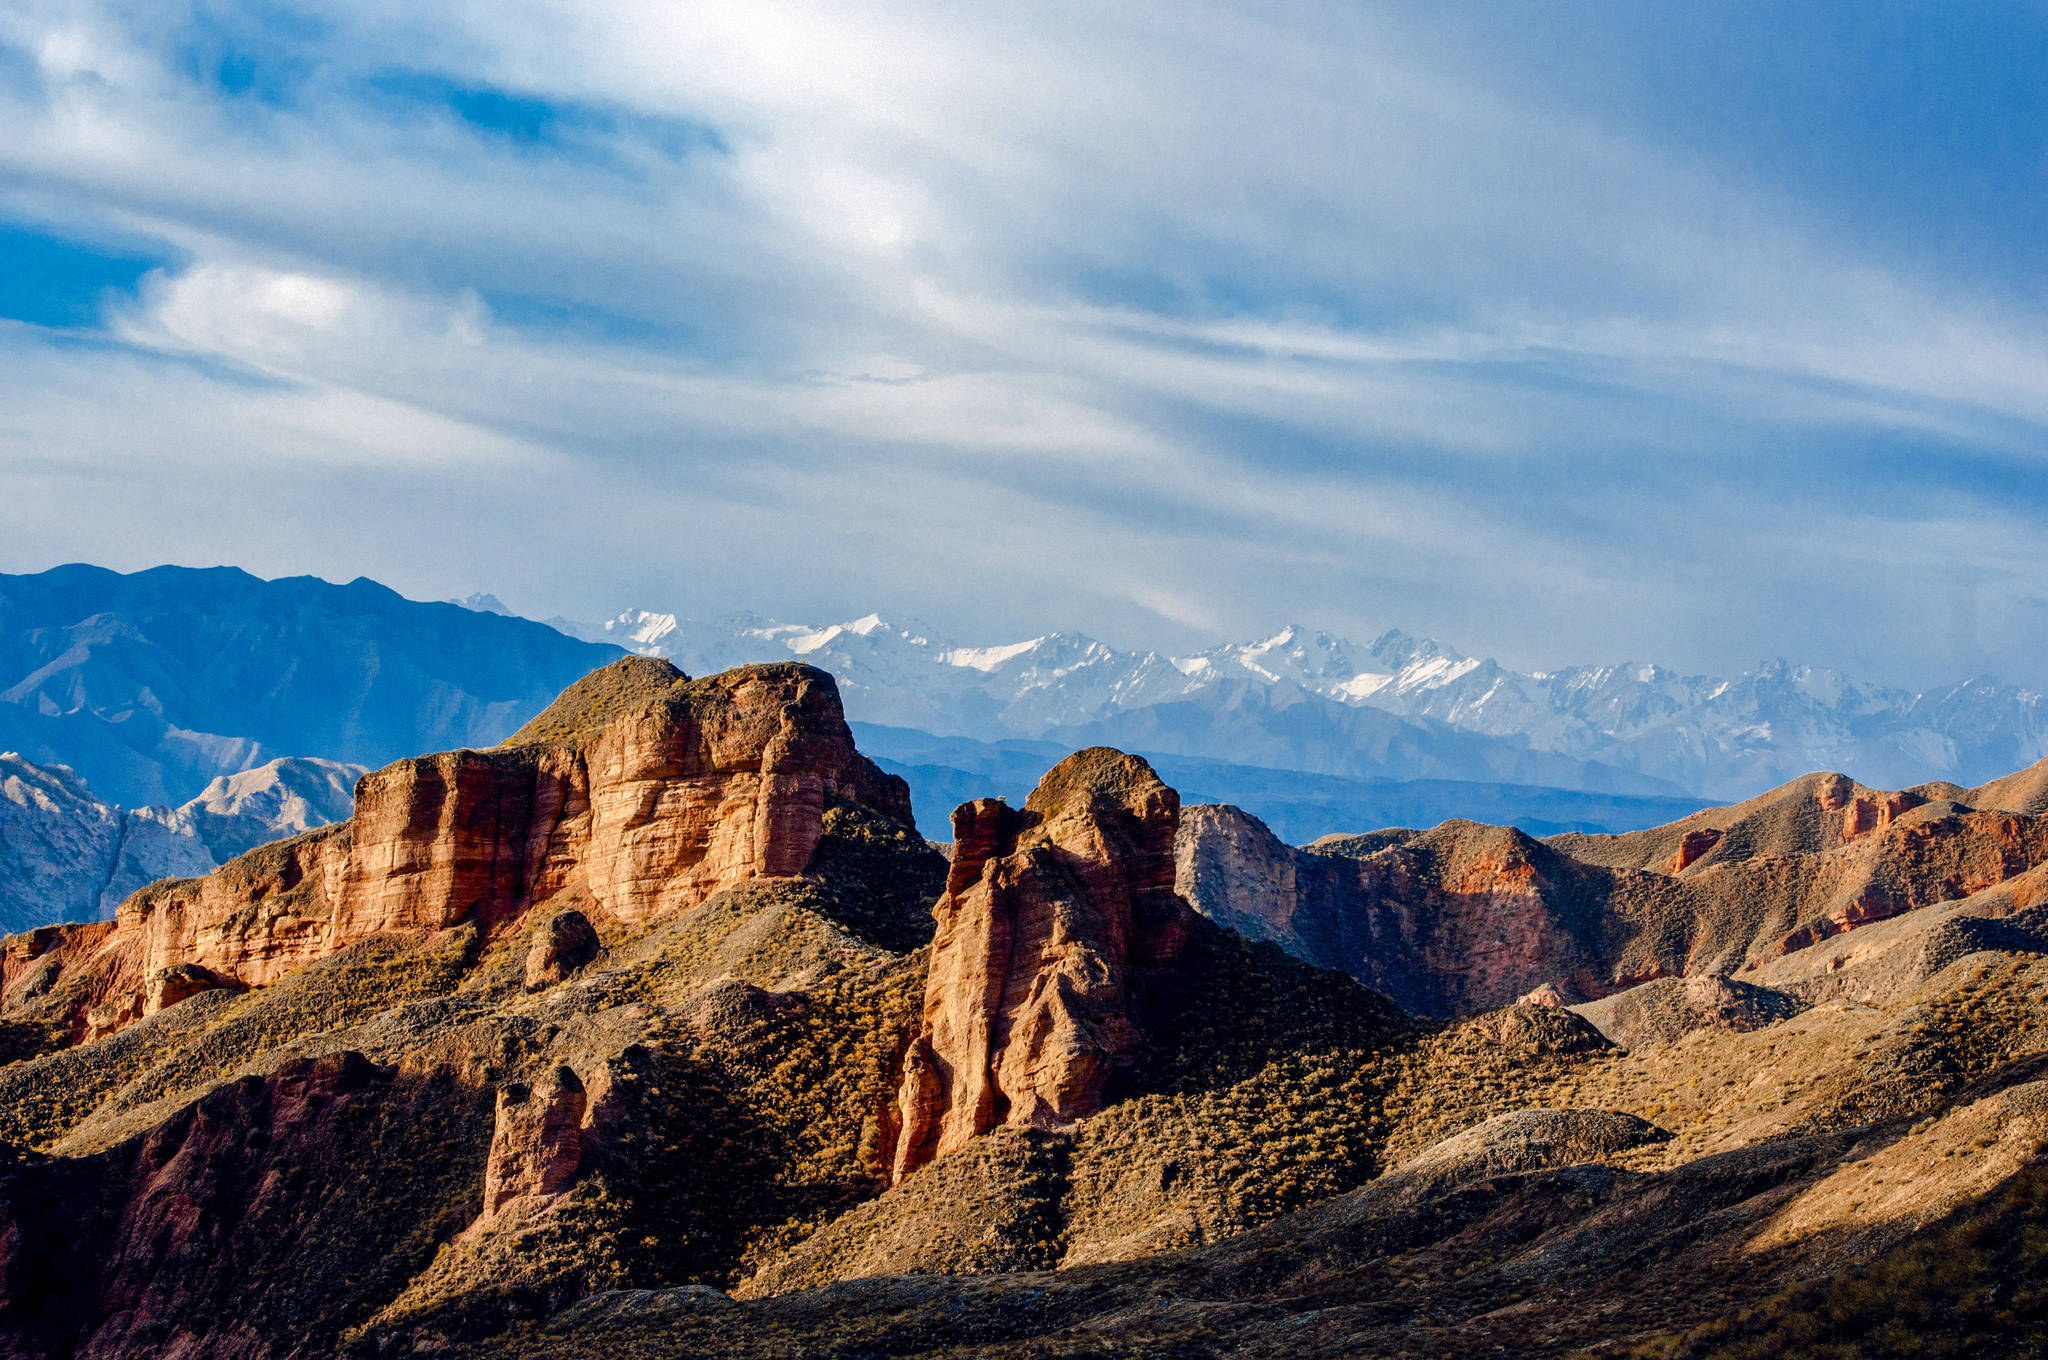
[{"x": 1690, "y": 333}]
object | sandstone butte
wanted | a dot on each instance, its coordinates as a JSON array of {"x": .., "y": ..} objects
[
  {"x": 1051, "y": 915},
  {"x": 639, "y": 792}
]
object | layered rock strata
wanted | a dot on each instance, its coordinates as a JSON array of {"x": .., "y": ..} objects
[
  {"x": 1051, "y": 915},
  {"x": 640, "y": 792},
  {"x": 1467, "y": 917},
  {"x": 1457, "y": 920}
]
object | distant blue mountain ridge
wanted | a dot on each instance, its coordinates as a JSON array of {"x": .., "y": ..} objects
[
  {"x": 149, "y": 686},
  {"x": 146, "y": 688},
  {"x": 944, "y": 772}
]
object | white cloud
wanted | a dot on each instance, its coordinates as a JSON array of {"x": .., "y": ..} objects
[{"x": 1247, "y": 312}]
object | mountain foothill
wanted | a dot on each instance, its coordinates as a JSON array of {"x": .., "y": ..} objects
[{"x": 659, "y": 1024}]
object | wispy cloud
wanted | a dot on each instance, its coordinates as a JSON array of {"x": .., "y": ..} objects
[{"x": 1157, "y": 324}]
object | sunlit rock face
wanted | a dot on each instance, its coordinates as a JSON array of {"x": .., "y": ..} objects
[
  {"x": 639, "y": 793},
  {"x": 1049, "y": 915}
]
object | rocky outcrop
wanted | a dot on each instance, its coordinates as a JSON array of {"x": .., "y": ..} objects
[
  {"x": 1465, "y": 917},
  {"x": 536, "y": 1146},
  {"x": 639, "y": 793},
  {"x": 1691, "y": 847},
  {"x": 1866, "y": 814},
  {"x": 1050, "y": 915},
  {"x": 1460, "y": 919},
  {"x": 561, "y": 944},
  {"x": 166, "y": 987}
]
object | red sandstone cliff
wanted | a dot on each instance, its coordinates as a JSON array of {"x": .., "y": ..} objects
[
  {"x": 1459, "y": 919},
  {"x": 1466, "y": 917},
  {"x": 1049, "y": 915},
  {"x": 640, "y": 792}
]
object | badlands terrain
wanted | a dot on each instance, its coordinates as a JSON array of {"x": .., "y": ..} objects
[{"x": 658, "y": 1030}]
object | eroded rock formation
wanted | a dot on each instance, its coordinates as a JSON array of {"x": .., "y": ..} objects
[
  {"x": 1465, "y": 917},
  {"x": 640, "y": 792},
  {"x": 536, "y": 1146},
  {"x": 562, "y": 944},
  {"x": 1692, "y": 847},
  {"x": 1049, "y": 914}
]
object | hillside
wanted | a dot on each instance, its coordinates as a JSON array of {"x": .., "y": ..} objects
[
  {"x": 150, "y": 686},
  {"x": 656, "y": 1031},
  {"x": 1468, "y": 916}
]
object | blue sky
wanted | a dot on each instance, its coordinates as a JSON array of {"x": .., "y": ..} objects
[{"x": 1569, "y": 333}]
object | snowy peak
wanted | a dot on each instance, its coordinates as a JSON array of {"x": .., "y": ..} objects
[
  {"x": 66, "y": 854},
  {"x": 1720, "y": 736},
  {"x": 987, "y": 659},
  {"x": 1398, "y": 651},
  {"x": 1294, "y": 653}
]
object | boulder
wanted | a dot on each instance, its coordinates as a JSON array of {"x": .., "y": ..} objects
[
  {"x": 563, "y": 943},
  {"x": 178, "y": 982}
]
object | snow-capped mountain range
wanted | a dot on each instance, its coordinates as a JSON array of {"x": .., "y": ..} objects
[
  {"x": 66, "y": 854},
  {"x": 1297, "y": 699}
]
